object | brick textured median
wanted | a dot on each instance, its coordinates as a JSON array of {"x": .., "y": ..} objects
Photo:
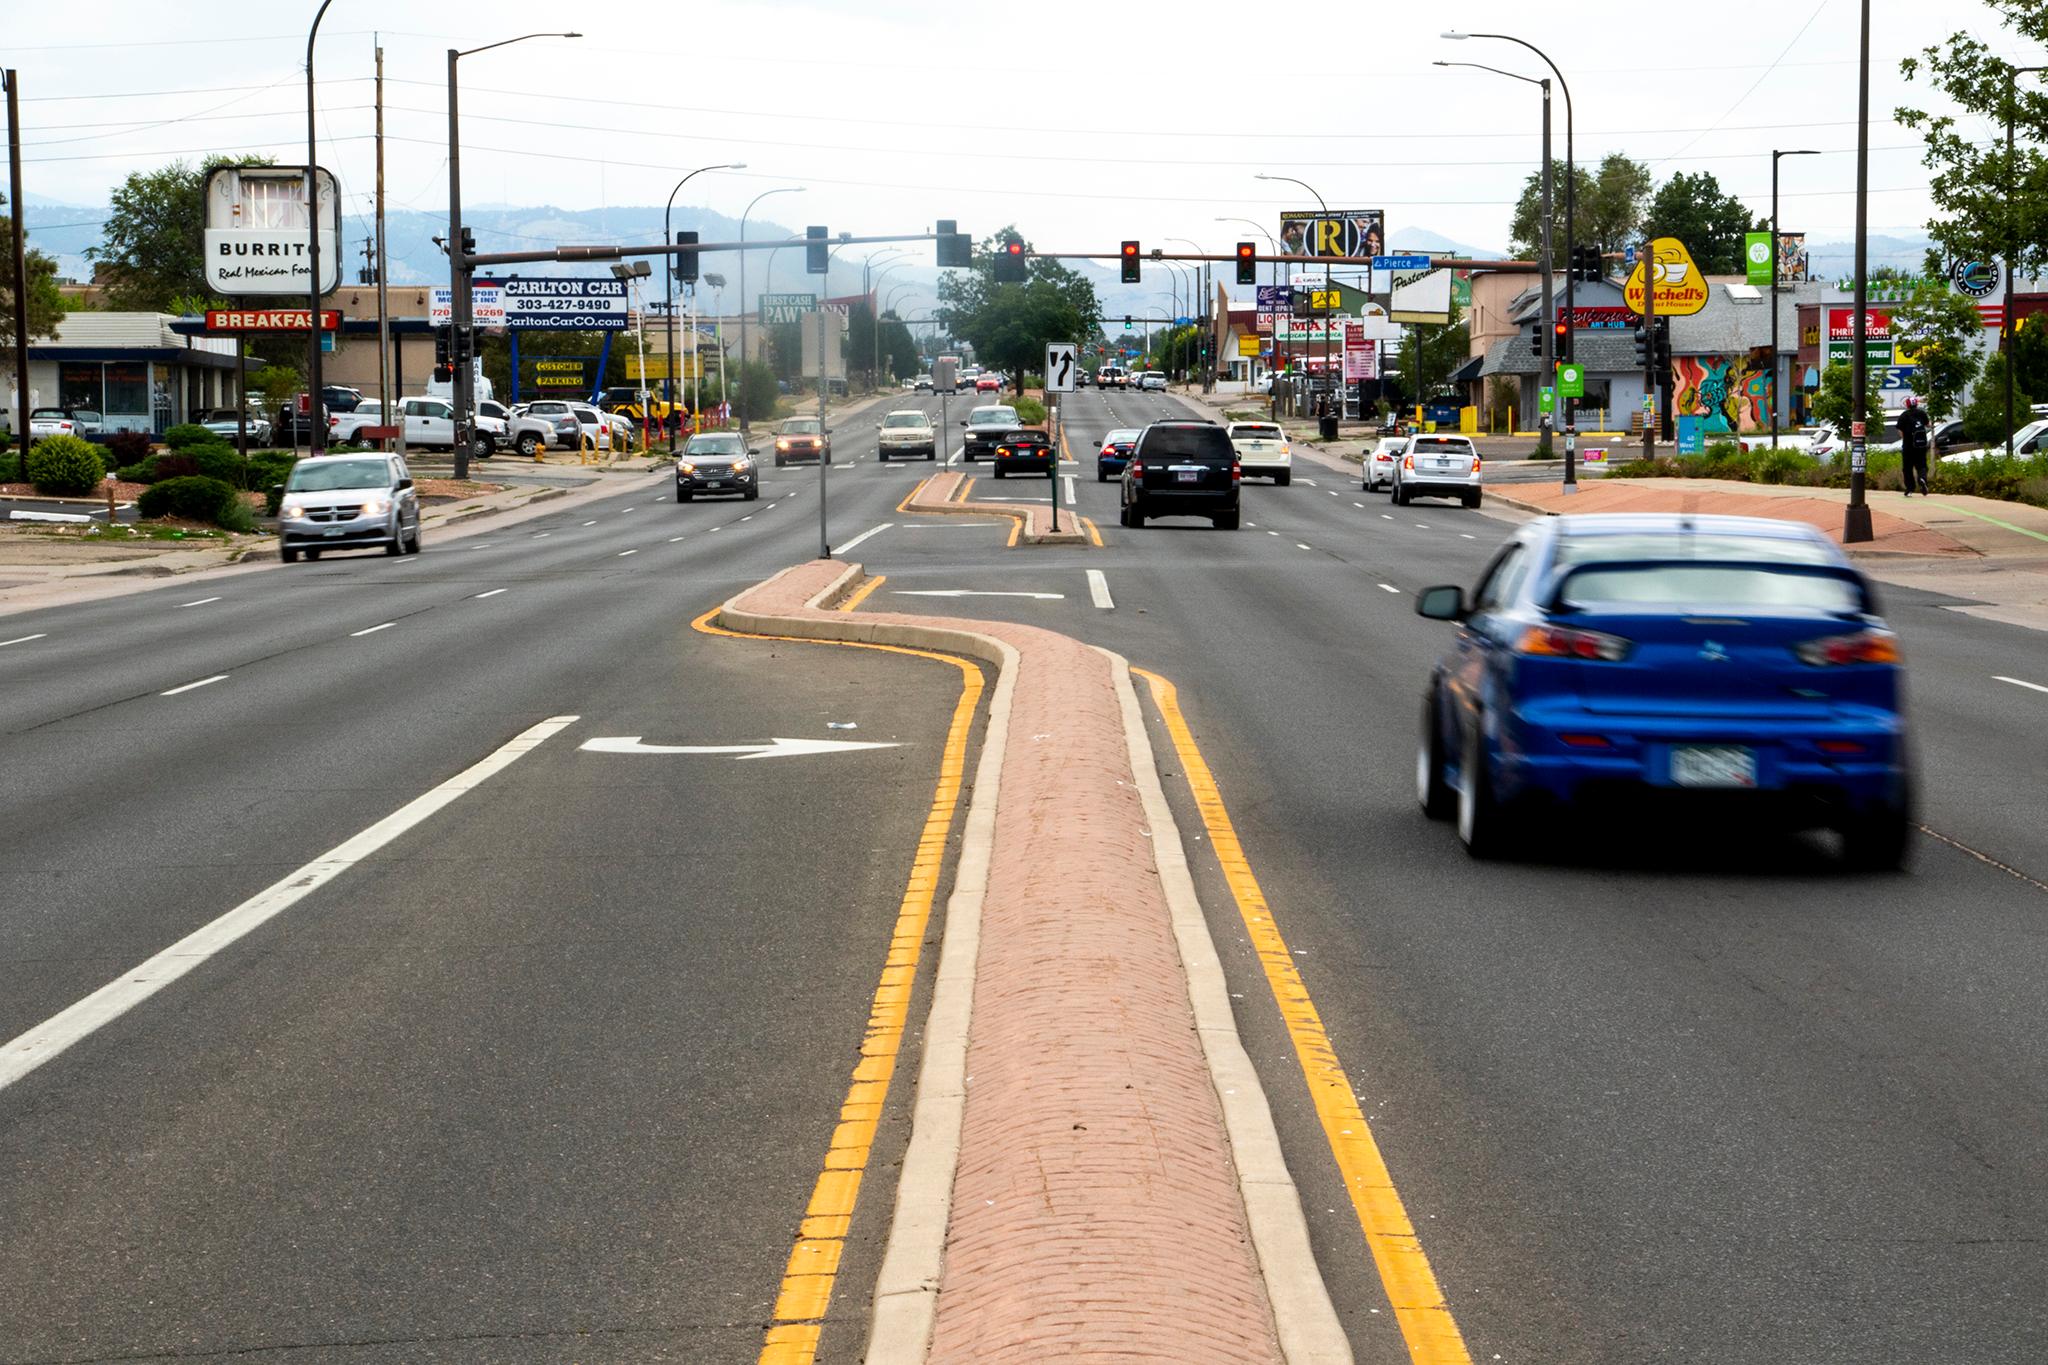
[
  {"x": 943, "y": 494},
  {"x": 1891, "y": 534},
  {"x": 1096, "y": 1213}
]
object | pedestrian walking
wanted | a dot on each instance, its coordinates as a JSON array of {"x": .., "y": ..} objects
[{"x": 1913, "y": 447}]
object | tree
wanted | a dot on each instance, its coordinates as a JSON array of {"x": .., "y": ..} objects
[
  {"x": 1833, "y": 405},
  {"x": 1988, "y": 206},
  {"x": 278, "y": 384},
  {"x": 45, "y": 304},
  {"x": 1008, "y": 325},
  {"x": 1938, "y": 324},
  {"x": 754, "y": 392},
  {"x": 1692, "y": 207},
  {"x": 151, "y": 255},
  {"x": 876, "y": 347},
  {"x": 1609, "y": 208},
  {"x": 1984, "y": 414},
  {"x": 899, "y": 348}
]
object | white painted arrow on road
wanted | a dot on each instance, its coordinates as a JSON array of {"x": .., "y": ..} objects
[
  {"x": 975, "y": 592},
  {"x": 774, "y": 748}
]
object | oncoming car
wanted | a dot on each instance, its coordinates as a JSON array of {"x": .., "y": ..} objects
[
  {"x": 348, "y": 502},
  {"x": 907, "y": 431},
  {"x": 717, "y": 462},
  {"x": 802, "y": 440},
  {"x": 1620, "y": 664}
]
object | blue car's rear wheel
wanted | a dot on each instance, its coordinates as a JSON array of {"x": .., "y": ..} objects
[{"x": 1480, "y": 827}]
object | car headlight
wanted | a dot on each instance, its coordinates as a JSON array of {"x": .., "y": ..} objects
[
  {"x": 781, "y": 444},
  {"x": 742, "y": 466},
  {"x": 376, "y": 507},
  {"x": 292, "y": 510},
  {"x": 685, "y": 467}
]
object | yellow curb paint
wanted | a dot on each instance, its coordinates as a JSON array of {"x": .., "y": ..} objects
[
  {"x": 806, "y": 1289},
  {"x": 917, "y": 488},
  {"x": 862, "y": 593},
  {"x": 1425, "y": 1319},
  {"x": 1094, "y": 534}
]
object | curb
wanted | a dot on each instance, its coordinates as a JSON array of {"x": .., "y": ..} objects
[{"x": 934, "y": 497}]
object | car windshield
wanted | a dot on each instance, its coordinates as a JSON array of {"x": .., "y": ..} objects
[
  {"x": 715, "y": 445},
  {"x": 906, "y": 419},
  {"x": 801, "y": 426},
  {"x": 48, "y": 412},
  {"x": 320, "y": 476},
  {"x": 1123, "y": 435},
  {"x": 1677, "y": 544},
  {"x": 1442, "y": 445},
  {"x": 989, "y": 417}
]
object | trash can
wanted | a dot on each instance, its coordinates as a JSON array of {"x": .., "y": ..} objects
[{"x": 1327, "y": 426}]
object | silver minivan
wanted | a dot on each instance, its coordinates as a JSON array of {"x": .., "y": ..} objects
[{"x": 348, "y": 502}]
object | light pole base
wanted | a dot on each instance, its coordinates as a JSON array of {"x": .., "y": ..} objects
[
  {"x": 1856, "y": 524},
  {"x": 1569, "y": 487}
]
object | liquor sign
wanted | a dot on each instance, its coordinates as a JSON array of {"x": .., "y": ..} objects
[{"x": 270, "y": 320}]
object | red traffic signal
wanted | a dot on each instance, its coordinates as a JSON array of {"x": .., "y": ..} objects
[
  {"x": 1010, "y": 268},
  {"x": 1131, "y": 269},
  {"x": 1247, "y": 263}
]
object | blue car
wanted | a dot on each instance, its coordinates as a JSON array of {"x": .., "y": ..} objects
[
  {"x": 1733, "y": 664},
  {"x": 1115, "y": 453}
]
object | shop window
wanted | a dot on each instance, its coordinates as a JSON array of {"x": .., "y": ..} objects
[
  {"x": 78, "y": 385},
  {"x": 127, "y": 389}
]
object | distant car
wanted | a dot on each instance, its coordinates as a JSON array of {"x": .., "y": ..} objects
[
  {"x": 1027, "y": 450},
  {"x": 717, "y": 462},
  {"x": 1262, "y": 448},
  {"x": 1115, "y": 453},
  {"x": 1946, "y": 436},
  {"x": 1182, "y": 469},
  {"x": 907, "y": 432},
  {"x": 987, "y": 383},
  {"x": 1381, "y": 462},
  {"x": 347, "y": 426},
  {"x": 1438, "y": 467},
  {"x": 1112, "y": 377},
  {"x": 63, "y": 422},
  {"x": 922, "y": 384},
  {"x": 348, "y": 502},
  {"x": 1735, "y": 665},
  {"x": 1152, "y": 380},
  {"x": 986, "y": 426},
  {"x": 222, "y": 422},
  {"x": 802, "y": 440},
  {"x": 340, "y": 397}
]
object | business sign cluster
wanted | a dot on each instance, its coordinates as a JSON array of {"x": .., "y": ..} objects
[
  {"x": 256, "y": 238},
  {"x": 1881, "y": 348},
  {"x": 1341, "y": 234},
  {"x": 270, "y": 320},
  {"x": 1599, "y": 319},
  {"x": 563, "y": 303}
]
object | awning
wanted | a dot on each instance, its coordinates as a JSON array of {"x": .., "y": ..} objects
[{"x": 1467, "y": 372}]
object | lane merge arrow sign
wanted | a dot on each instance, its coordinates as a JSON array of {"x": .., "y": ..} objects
[
  {"x": 1062, "y": 363},
  {"x": 774, "y": 748}
]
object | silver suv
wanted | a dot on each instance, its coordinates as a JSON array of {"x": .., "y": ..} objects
[
  {"x": 908, "y": 431},
  {"x": 348, "y": 502},
  {"x": 1438, "y": 467}
]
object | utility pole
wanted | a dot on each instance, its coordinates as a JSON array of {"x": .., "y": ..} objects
[
  {"x": 460, "y": 313},
  {"x": 385, "y": 407},
  {"x": 1549, "y": 338},
  {"x": 20, "y": 268},
  {"x": 1856, "y": 518},
  {"x": 1651, "y": 406}
]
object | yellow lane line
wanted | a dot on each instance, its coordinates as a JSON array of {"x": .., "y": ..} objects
[
  {"x": 861, "y": 593},
  {"x": 1093, "y": 534},
  {"x": 807, "y": 1281},
  {"x": 1425, "y": 1319},
  {"x": 916, "y": 488}
]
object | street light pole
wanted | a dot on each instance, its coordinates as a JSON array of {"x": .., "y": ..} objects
[
  {"x": 782, "y": 189},
  {"x": 316, "y": 422},
  {"x": 1323, "y": 320},
  {"x": 875, "y": 333},
  {"x": 1775, "y": 388},
  {"x": 867, "y": 294},
  {"x": 668, "y": 288},
  {"x": 1856, "y": 518}
]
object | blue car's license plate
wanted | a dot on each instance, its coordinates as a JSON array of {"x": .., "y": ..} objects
[{"x": 1713, "y": 765}]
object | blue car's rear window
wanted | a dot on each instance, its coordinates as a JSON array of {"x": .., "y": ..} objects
[{"x": 1693, "y": 587}]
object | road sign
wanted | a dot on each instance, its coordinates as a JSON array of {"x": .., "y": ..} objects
[
  {"x": 1413, "y": 260},
  {"x": 1681, "y": 289},
  {"x": 1062, "y": 364},
  {"x": 1571, "y": 381},
  {"x": 777, "y": 308},
  {"x": 1628, "y": 256},
  {"x": 1546, "y": 399}
]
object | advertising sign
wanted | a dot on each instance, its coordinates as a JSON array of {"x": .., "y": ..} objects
[
  {"x": 779, "y": 308},
  {"x": 1793, "y": 265},
  {"x": 1309, "y": 331},
  {"x": 573, "y": 372},
  {"x": 1681, "y": 289},
  {"x": 486, "y": 306},
  {"x": 1424, "y": 298},
  {"x": 1978, "y": 279},
  {"x": 540, "y": 303},
  {"x": 1361, "y": 357},
  {"x": 256, "y": 238},
  {"x": 1248, "y": 346},
  {"x": 1275, "y": 298},
  {"x": 1756, "y": 256},
  {"x": 1343, "y": 234},
  {"x": 270, "y": 320},
  {"x": 1877, "y": 324},
  {"x": 1600, "y": 319}
]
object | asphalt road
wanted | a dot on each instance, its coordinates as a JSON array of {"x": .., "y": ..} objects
[{"x": 549, "y": 1075}]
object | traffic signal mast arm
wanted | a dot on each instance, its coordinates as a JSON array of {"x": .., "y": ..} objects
[{"x": 615, "y": 253}]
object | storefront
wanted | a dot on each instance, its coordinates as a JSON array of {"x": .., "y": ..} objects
[{"x": 132, "y": 369}]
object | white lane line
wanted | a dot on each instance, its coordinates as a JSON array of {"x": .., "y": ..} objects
[
  {"x": 1251, "y": 523},
  {"x": 482, "y": 595},
  {"x": 748, "y": 517},
  {"x": 1098, "y": 590},
  {"x": 1333, "y": 492},
  {"x": 372, "y": 630},
  {"x": 622, "y": 510},
  {"x": 1272, "y": 533},
  {"x": 1385, "y": 516},
  {"x": 23, "y": 639},
  {"x": 1311, "y": 483},
  {"x": 1463, "y": 536},
  {"x": 200, "y": 603},
  {"x": 538, "y": 534},
  {"x": 29, "y": 1050},
  {"x": 718, "y": 528},
  {"x": 2020, "y": 682},
  {"x": 1422, "y": 526},
  {"x": 864, "y": 535},
  {"x": 590, "y": 523},
  {"x": 673, "y": 539},
  {"x": 623, "y": 553},
  {"x": 1299, "y": 546},
  {"x": 1359, "y": 505},
  {"x": 484, "y": 546},
  {"x": 189, "y": 686},
  {"x": 1070, "y": 489},
  {"x": 1389, "y": 587},
  {"x": 769, "y": 508}
]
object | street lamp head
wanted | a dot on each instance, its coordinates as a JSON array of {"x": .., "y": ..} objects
[
  {"x": 715, "y": 281},
  {"x": 1454, "y": 35}
]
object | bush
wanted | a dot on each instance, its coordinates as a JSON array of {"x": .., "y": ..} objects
[
  {"x": 187, "y": 434},
  {"x": 1030, "y": 411},
  {"x": 1722, "y": 450},
  {"x": 128, "y": 447},
  {"x": 195, "y": 499},
  {"x": 267, "y": 474},
  {"x": 217, "y": 460},
  {"x": 1777, "y": 465},
  {"x": 65, "y": 466}
]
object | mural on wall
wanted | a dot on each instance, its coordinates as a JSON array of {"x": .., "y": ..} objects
[{"x": 1730, "y": 391}]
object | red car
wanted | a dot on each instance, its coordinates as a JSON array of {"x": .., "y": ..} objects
[{"x": 988, "y": 383}]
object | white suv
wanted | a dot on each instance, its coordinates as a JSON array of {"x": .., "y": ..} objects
[
  {"x": 1262, "y": 448},
  {"x": 1438, "y": 467},
  {"x": 908, "y": 432}
]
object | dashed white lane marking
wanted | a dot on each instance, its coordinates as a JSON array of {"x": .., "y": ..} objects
[
  {"x": 1299, "y": 546},
  {"x": 1098, "y": 590},
  {"x": 1389, "y": 587},
  {"x": 1333, "y": 492},
  {"x": 1311, "y": 483},
  {"x": 200, "y": 603},
  {"x": 1463, "y": 536},
  {"x": 538, "y": 534},
  {"x": 864, "y": 535},
  {"x": 590, "y": 523},
  {"x": 492, "y": 593},
  {"x": 748, "y": 517},
  {"x": 718, "y": 528},
  {"x": 1384, "y": 516},
  {"x": 485, "y": 546},
  {"x": 622, "y": 510},
  {"x": 673, "y": 539},
  {"x": 372, "y": 630},
  {"x": 1422, "y": 526},
  {"x": 1359, "y": 505},
  {"x": 623, "y": 553},
  {"x": 27, "y": 1051},
  {"x": 24, "y": 639},
  {"x": 2020, "y": 682},
  {"x": 189, "y": 686},
  {"x": 1272, "y": 533}
]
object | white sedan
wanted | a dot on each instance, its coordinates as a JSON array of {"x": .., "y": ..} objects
[
  {"x": 62, "y": 422},
  {"x": 1381, "y": 460},
  {"x": 2025, "y": 441}
]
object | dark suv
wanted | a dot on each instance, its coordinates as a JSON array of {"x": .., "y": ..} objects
[{"x": 1182, "y": 469}]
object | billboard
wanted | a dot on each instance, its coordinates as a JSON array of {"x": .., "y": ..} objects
[
  {"x": 1792, "y": 259},
  {"x": 562, "y": 303},
  {"x": 1341, "y": 234},
  {"x": 486, "y": 306},
  {"x": 257, "y": 238}
]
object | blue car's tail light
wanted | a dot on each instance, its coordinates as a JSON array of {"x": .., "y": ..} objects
[
  {"x": 1563, "y": 642},
  {"x": 1863, "y": 647}
]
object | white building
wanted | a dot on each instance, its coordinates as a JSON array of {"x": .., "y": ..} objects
[{"x": 129, "y": 367}]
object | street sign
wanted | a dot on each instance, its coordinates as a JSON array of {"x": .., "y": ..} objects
[
  {"x": 777, "y": 308},
  {"x": 1681, "y": 289},
  {"x": 1571, "y": 381},
  {"x": 1413, "y": 260},
  {"x": 1062, "y": 364},
  {"x": 1628, "y": 256}
]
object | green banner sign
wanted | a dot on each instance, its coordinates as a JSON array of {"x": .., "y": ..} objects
[
  {"x": 1571, "y": 381},
  {"x": 1546, "y": 399},
  {"x": 1756, "y": 254}
]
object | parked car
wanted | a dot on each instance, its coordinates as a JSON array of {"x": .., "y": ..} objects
[
  {"x": 986, "y": 426},
  {"x": 1182, "y": 469},
  {"x": 340, "y": 397},
  {"x": 222, "y": 423},
  {"x": 348, "y": 502},
  {"x": 582, "y": 420},
  {"x": 1115, "y": 453},
  {"x": 347, "y": 426},
  {"x": 2026, "y": 441},
  {"x": 619, "y": 427},
  {"x": 531, "y": 432},
  {"x": 1438, "y": 467},
  {"x": 802, "y": 440},
  {"x": 1262, "y": 448},
  {"x": 1737, "y": 665},
  {"x": 907, "y": 432},
  {"x": 290, "y": 427},
  {"x": 1382, "y": 459},
  {"x": 717, "y": 462},
  {"x": 430, "y": 424},
  {"x": 1027, "y": 450},
  {"x": 63, "y": 422}
]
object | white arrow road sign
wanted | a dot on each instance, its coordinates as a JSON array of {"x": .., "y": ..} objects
[
  {"x": 774, "y": 748},
  {"x": 1062, "y": 359},
  {"x": 972, "y": 592}
]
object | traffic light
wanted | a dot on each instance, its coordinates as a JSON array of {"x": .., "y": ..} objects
[
  {"x": 468, "y": 244},
  {"x": 1560, "y": 339},
  {"x": 444, "y": 366},
  {"x": 1010, "y": 264},
  {"x": 1645, "y": 351},
  {"x": 1247, "y": 263},
  {"x": 956, "y": 248},
  {"x": 1133, "y": 272},
  {"x": 1127, "y": 322},
  {"x": 1586, "y": 264},
  {"x": 817, "y": 251},
  {"x": 1536, "y": 339},
  {"x": 686, "y": 261},
  {"x": 1663, "y": 345}
]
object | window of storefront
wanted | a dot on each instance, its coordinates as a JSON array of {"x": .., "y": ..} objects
[{"x": 78, "y": 386}]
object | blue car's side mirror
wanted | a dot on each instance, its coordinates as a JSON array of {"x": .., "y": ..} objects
[{"x": 1445, "y": 603}]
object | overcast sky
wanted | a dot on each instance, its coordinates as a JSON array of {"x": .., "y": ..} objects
[{"x": 1049, "y": 115}]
